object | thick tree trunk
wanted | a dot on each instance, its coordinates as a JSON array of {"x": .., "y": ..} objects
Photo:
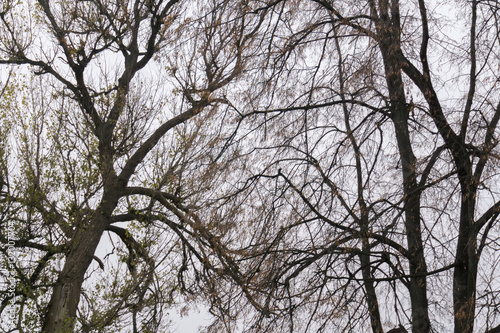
[{"x": 61, "y": 313}]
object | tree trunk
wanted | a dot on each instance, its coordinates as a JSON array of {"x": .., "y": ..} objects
[
  {"x": 418, "y": 266},
  {"x": 62, "y": 308},
  {"x": 371, "y": 295},
  {"x": 465, "y": 273},
  {"x": 390, "y": 46}
]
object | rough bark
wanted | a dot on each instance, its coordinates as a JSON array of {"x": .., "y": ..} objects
[{"x": 62, "y": 308}]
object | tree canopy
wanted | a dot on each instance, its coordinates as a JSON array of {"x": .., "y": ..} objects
[{"x": 294, "y": 165}]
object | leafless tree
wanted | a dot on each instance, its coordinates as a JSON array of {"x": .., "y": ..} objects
[{"x": 373, "y": 139}]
